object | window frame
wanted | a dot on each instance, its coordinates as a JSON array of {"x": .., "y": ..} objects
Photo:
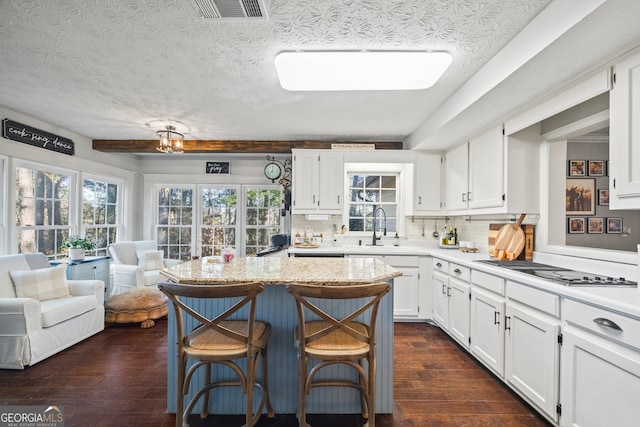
[
  {"x": 71, "y": 228},
  {"x": 156, "y": 225},
  {"x": 119, "y": 183}
]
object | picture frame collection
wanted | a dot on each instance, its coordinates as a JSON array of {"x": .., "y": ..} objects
[{"x": 582, "y": 197}]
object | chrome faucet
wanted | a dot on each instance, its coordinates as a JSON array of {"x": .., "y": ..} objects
[{"x": 375, "y": 238}]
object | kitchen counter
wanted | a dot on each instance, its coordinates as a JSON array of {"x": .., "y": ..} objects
[
  {"x": 277, "y": 307},
  {"x": 622, "y": 300}
]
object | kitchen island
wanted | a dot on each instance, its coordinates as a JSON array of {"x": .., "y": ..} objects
[{"x": 276, "y": 306}]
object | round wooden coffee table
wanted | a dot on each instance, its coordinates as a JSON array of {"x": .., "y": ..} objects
[{"x": 137, "y": 305}]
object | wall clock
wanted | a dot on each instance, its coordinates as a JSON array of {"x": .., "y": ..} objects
[{"x": 273, "y": 171}]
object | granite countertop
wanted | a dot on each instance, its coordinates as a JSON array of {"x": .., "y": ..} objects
[{"x": 281, "y": 270}]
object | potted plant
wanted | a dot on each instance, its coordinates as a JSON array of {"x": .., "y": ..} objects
[{"x": 77, "y": 246}]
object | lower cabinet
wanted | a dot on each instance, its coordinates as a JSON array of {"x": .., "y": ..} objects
[
  {"x": 90, "y": 268},
  {"x": 451, "y": 299},
  {"x": 487, "y": 328},
  {"x": 532, "y": 355},
  {"x": 409, "y": 290},
  {"x": 600, "y": 368}
]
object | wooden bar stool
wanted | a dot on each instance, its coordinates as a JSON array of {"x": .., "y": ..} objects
[
  {"x": 220, "y": 340},
  {"x": 330, "y": 339}
]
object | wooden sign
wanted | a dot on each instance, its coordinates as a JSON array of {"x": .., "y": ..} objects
[
  {"x": 217, "y": 168},
  {"x": 38, "y": 138}
]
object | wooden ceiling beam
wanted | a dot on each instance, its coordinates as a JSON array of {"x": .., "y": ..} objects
[{"x": 228, "y": 146}]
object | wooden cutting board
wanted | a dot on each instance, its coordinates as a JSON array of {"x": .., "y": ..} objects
[{"x": 527, "y": 253}]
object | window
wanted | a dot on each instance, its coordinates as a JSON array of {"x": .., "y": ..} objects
[
  {"x": 262, "y": 219},
  {"x": 218, "y": 227},
  {"x": 174, "y": 228},
  {"x": 100, "y": 202},
  {"x": 367, "y": 193},
  {"x": 42, "y": 210}
]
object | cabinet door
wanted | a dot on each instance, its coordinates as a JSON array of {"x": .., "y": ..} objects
[
  {"x": 406, "y": 294},
  {"x": 456, "y": 178},
  {"x": 486, "y": 170},
  {"x": 532, "y": 356},
  {"x": 459, "y": 311},
  {"x": 600, "y": 382},
  {"x": 487, "y": 329},
  {"x": 427, "y": 183},
  {"x": 441, "y": 299},
  {"x": 331, "y": 173},
  {"x": 624, "y": 144},
  {"x": 305, "y": 181}
]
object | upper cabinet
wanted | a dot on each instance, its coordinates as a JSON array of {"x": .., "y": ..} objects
[
  {"x": 318, "y": 181},
  {"x": 624, "y": 134},
  {"x": 493, "y": 174},
  {"x": 427, "y": 183}
]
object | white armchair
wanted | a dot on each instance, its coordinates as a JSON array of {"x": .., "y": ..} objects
[
  {"x": 137, "y": 264},
  {"x": 42, "y": 313}
]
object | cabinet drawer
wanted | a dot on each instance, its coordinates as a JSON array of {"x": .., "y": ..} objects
[
  {"x": 460, "y": 272},
  {"x": 488, "y": 281},
  {"x": 535, "y": 298},
  {"x": 401, "y": 261},
  {"x": 440, "y": 265},
  {"x": 616, "y": 327}
]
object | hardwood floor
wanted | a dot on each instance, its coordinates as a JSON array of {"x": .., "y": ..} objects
[{"x": 118, "y": 378}]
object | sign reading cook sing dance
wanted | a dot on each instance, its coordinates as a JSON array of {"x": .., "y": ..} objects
[{"x": 28, "y": 135}]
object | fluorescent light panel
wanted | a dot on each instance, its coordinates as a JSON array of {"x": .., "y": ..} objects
[{"x": 360, "y": 70}]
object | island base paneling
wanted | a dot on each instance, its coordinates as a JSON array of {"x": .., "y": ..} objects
[{"x": 276, "y": 306}]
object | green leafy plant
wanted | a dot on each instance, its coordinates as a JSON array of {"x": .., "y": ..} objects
[{"x": 86, "y": 243}]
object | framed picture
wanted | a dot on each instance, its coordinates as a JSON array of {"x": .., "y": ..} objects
[
  {"x": 603, "y": 197},
  {"x": 577, "y": 168},
  {"x": 595, "y": 225},
  {"x": 596, "y": 167},
  {"x": 576, "y": 225},
  {"x": 614, "y": 225},
  {"x": 580, "y": 196}
]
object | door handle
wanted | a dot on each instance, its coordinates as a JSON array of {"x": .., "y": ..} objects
[
  {"x": 507, "y": 323},
  {"x": 496, "y": 317},
  {"x": 419, "y": 200},
  {"x": 449, "y": 291}
]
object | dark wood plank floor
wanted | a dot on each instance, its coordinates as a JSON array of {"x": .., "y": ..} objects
[{"x": 118, "y": 378}]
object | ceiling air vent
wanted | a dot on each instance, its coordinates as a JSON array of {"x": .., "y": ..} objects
[{"x": 230, "y": 9}]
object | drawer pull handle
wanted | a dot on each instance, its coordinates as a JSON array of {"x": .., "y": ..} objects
[
  {"x": 439, "y": 265},
  {"x": 457, "y": 271},
  {"x": 601, "y": 321}
]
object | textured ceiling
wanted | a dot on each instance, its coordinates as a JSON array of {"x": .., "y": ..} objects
[{"x": 104, "y": 68}]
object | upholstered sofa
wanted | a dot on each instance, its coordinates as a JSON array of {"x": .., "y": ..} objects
[
  {"x": 137, "y": 264},
  {"x": 41, "y": 312}
]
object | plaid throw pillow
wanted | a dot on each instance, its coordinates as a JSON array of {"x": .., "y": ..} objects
[{"x": 41, "y": 284}]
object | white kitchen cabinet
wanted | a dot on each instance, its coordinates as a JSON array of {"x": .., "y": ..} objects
[
  {"x": 486, "y": 170},
  {"x": 532, "y": 350},
  {"x": 459, "y": 310},
  {"x": 441, "y": 299},
  {"x": 493, "y": 174},
  {"x": 428, "y": 172},
  {"x": 487, "y": 328},
  {"x": 624, "y": 136},
  {"x": 451, "y": 299},
  {"x": 409, "y": 290},
  {"x": 456, "y": 178},
  {"x": 317, "y": 181},
  {"x": 600, "y": 367}
]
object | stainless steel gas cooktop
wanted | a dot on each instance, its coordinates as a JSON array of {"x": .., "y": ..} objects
[{"x": 562, "y": 275}]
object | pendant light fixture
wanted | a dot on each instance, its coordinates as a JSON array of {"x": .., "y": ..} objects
[{"x": 171, "y": 141}]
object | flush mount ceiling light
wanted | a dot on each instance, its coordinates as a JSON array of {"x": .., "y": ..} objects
[
  {"x": 171, "y": 142},
  {"x": 360, "y": 70}
]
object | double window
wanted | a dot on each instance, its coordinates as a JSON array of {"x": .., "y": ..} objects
[
  {"x": 47, "y": 210},
  {"x": 237, "y": 216}
]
